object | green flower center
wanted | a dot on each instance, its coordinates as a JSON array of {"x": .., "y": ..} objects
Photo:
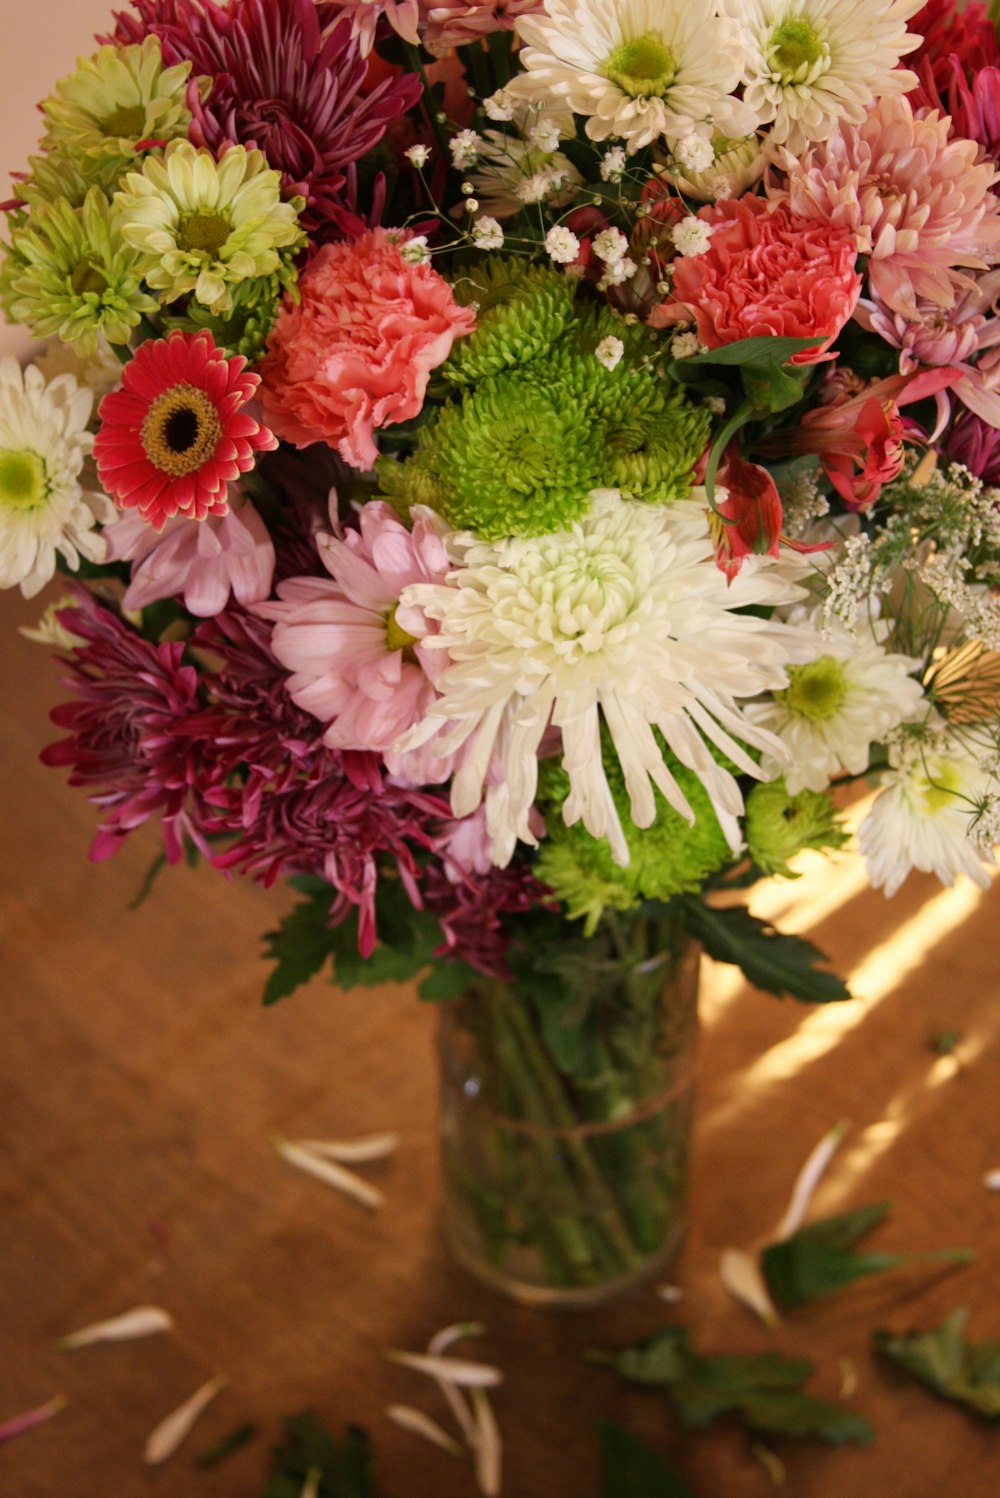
[
  {"x": 23, "y": 484},
  {"x": 205, "y": 232},
  {"x": 940, "y": 787},
  {"x": 87, "y": 278},
  {"x": 643, "y": 68},
  {"x": 817, "y": 691},
  {"x": 181, "y": 430},
  {"x": 796, "y": 51},
  {"x": 127, "y": 120},
  {"x": 396, "y": 637}
]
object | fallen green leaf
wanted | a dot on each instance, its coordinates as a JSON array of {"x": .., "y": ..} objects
[
  {"x": 631, "y": 1469},
  {"x": 963, "y": 1371},
  {"x": 770, "y": 960},
  {"x": 345, "y": 1468}
]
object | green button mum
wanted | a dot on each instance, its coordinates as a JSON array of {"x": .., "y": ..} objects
[{"x": 522, "y": 310}]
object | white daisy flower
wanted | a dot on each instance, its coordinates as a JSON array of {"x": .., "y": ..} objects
[
  {"x": 624, "y": 618},
  {"x": 636, "y": 69},
  {"x": 43, "y": 507},
  {"x": 923, "y": 819},
  {"x": 845, "y": 693},
  {"x": 812, "y": 63}
]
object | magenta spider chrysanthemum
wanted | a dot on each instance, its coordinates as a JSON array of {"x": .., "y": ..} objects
[{"x": 287, "y": 78}]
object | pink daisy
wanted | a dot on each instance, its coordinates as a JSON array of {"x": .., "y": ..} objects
[{"x": 174, "y": 436}]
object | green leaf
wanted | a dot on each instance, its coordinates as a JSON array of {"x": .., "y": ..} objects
[
  {"x": 771, "y": 388},
  {"x": 770, "y": 960},
  {"x": 753, "y": 353},
  {"x": 662, "y": 1359},
  {"x": 300, "y": 946},
  {"x": 801, "y": 1416},
  {"x": 447, "y": 980},
  {"x": 345, "y": 1469},
  {"x": 155, "y": 869},
  {"x": 966, "y": 1372},
  {"x": 819, "y": 1259},
  {"x": 631, "y": 1469}
]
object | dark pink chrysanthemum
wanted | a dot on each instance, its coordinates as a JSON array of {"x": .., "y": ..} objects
[
  {"x": 976, "y": 445},
  {"x": 967, "y": 34},
  {"x": 131, "y": 734},
  {"x": 175, "y": 434},
  {"x": 286, "y": 78}
]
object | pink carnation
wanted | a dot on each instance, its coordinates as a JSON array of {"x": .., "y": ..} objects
[
  {"x": 356, "y": 352},
  {"x": 766, "y": 273},
  {"x": 917, "y": 200},
  {"x": 203, "y": 561}
]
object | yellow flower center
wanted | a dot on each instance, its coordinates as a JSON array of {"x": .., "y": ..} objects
[
  {"x": 643, "y": 68},
  {"x": 203, "y": 232},
  {"x": 87, "y": 278},
  {"x": 797, "y": 51},
  {"x": 940, "y": 786},
  {"x": 816, "y": 691},
  {"x": 23, "y": 484},
  {"x": 181, "y": 430},
  {"x": 396, "y": 637},
  {"x": 127, "y": 120}
]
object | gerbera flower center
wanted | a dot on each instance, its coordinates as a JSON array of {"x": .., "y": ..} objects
[
  {"x": 128, "y": 120},
  {"x": 205, "y": 232},
  {"x": 817, "y": 691},
  {"x": 940, "y": 786},
  {"x": 797, "y": 52},
  {"x": 23, "y": 484},
  {"x": 643, "y": 68},
  {"x": 396, "y": 637},
  {"x": 181, "y": 430},
  {"x": 87, "y": 278}
]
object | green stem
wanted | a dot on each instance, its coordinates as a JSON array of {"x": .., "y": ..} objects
[
  {"x": 736, "y": 422},
  {"x": 427, "y": 98}
]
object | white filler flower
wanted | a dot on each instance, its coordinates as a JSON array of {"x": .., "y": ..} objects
[
  {"x": 922, "y": 819},
  {"x": 43, "y": 507},
  {"x": 624, "y": 617},
  {"x": 812, "y": 63},
  {"x": 636, "y": 69}
]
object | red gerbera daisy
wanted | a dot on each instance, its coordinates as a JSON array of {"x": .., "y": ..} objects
[{"x": 174, "y": 435}]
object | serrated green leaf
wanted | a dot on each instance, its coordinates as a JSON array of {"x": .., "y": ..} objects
[
  {"x": 662, "y": 1359},
  {"x": 770, "y": 960},
  {"x": 801, "y": 1416},
  {"x": 300, "y": 946},
  {"x": 631, "y": 1469},
  {"x": 967, "y": 1373}
]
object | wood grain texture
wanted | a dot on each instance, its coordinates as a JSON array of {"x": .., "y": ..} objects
[{"x": 139, "y": 1078}]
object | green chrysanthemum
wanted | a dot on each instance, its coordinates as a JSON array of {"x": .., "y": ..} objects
[
  {"x": 58, "y": 175},
  {"x": 113, "y": 100},
  {"x": 518, "y": 459},
  {"x": 668, "y": 858},
  {"x": 255, "y": 307},
  {"x": 420, "y": 480},
  {"x": 68, "y": 274},
  {"x": 521, "y": 311},
  {"x": 779, "y": 825},
  {"x": 203, "y": 227}
]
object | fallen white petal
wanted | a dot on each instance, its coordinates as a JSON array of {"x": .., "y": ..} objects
[
  {"x": 450, "y": 1370},
  {"x": 422, "y": 1425},
  {"x": 991, "y": 1180},
  {"x": 670, "y": 1293},
  {"x": 808, "y": 1179},
  {"x": 448, "y": 1335},
  {"x": 742, "y": 1277},
  {"x": 772, "y": 1464},
  {"x": 311, "y": 1486},
  {"x": 28, "y": 1419},
  {"x": 170, "y": 1432},
  {"x": 488, "y": 1445},
  {"x": 456, "y": 1400},
  {"x": 352, "y": 1151},
  {"x": 332, "y": 1174},
  {"x": 848, "y": 1378},
  {"x": 144, "y": 1321}
]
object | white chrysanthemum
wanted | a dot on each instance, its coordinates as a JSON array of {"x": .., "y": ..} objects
[
  {"x": 624, "y": 618},
  {"x": 43, "y": 508},
  {"x": 844, "y": 694},
  {"x": 636, "y": 69},
  {"x": 923, "y": 819},
  {"x": 812, "y": 63}
]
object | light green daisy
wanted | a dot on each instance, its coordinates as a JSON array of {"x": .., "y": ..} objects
[
  {"x": 246, "y": 327},
  {"x": 202, "y": 227},
  {"x": 58, "y": 175},
  {"x": 69, "y": 274},
  {"x": 111, "y": 101}
]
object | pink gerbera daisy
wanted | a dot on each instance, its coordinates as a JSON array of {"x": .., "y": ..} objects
[{"x": 175, "y": 435}]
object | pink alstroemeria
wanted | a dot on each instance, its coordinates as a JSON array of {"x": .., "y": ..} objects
[
  {"x": 203, "y": 561},
  {"x": 748, "y": 521},
  {"x": 860, "y": 440}
]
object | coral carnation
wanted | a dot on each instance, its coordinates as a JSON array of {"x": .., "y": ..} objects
[
  {"x": 766, "y": 272},
  {"x": 174, "y": 435},
  {"x": 356, "y": 352}
]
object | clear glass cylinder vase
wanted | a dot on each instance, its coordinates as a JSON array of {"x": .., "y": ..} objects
[{"x": 565, "y": 1117}]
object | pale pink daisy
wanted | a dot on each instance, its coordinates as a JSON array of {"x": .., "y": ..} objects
[
  {"x": 201, "y": 561},
  {"x": 918, "y": 200},
  {"x": 402, "y": 16},
  {"x": 355, "y": 652}
]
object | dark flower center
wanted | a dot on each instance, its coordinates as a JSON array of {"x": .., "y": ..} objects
[
  {"x": 181, "y": 430},
  {"x": 86, "y": 278},
  {"x": 127, "y": 120},
  {"x": 203, "y": 231}
]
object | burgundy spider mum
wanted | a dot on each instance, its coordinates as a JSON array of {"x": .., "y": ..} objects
[
  {"x": 947, "y": 32},
  {"x": 132, "y": 733},
  {"x": 286, "y": 78}
]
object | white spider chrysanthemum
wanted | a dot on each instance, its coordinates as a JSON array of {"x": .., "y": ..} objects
[
  {"x": 636, "y": 69},
  {"x": 624, "y": 618},
  {"x": 43, "y": 507},
  {"x": 923, "y": 819},
  {"x": 844, "y": 694},
  {"x": 812, "y": 63}
]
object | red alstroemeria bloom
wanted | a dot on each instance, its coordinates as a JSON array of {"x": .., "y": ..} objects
[
  {"x": 748, "y": 521},
  {"x": 174, "y": 436}
]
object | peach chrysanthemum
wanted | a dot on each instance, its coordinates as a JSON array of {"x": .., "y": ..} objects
[{"x": 919, "y": 201}]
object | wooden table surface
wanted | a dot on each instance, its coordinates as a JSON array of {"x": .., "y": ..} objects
[{"x": 140, "y": 1077}]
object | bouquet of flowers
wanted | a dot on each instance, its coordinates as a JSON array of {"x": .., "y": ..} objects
[{"x": 520, "y": 458}]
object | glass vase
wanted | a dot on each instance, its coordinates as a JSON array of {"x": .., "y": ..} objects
[{"x": 565, "y": 1115}]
